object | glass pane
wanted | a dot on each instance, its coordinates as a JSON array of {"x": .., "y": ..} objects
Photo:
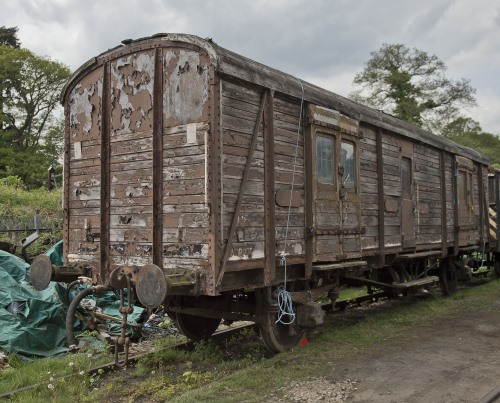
[
  {"x": 462, "y": 191},
  {"x": 349, "y": 164},
  {"x": 324, "y": 159},
  {"x": 406, "y": 176}
]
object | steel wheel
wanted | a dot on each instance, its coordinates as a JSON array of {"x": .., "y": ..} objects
[
  {"x": 448, "y": 277},
  {"x": 278, "y": 337},
  {"x": 195, "y": 327}
]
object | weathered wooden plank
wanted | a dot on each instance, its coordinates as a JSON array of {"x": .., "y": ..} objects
[{"x": 238, "y": 91}]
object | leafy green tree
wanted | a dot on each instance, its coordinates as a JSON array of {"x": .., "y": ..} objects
[
  {"x": 30, "y": 132},
  {"x": 468, "y": 132},
  {"x": 411, "y": 84},
  {"x": 8, "y": 36}
]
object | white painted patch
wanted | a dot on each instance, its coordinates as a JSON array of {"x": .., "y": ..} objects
[
  {"x": 297, "y": 249},
  {"x": 191, "y": 133},
  {"x": 187, "y": 91},
  {"x": 78, "y": 150}
]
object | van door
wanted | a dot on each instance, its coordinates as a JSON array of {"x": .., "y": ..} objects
[
  {"x": 334, "y": 224},
  {"x": 407, "y": 202}
]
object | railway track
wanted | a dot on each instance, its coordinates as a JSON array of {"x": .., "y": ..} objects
[{"x": 219, "y": 336}]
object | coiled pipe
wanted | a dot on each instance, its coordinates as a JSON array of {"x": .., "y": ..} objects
[
  {"x": 70, "y": 334},
  {"x": 80, "y": 280}
]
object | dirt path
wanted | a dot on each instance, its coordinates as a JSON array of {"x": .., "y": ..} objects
[{"x": 452, "y": 360}]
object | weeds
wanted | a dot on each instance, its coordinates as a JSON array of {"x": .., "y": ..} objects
[{"x": 235, "y": 371}]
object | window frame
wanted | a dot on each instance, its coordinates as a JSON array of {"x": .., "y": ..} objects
[
  {"x": 354, "y": 144},
  {"x": 328, "y": 136}
]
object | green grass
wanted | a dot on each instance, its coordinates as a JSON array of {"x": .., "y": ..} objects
[
  {"x": 18, "y": 202},
  {"x": 56, "y": 376},
  {"x": 233, "y": 373},
  {"x": 351, "y": 293}
]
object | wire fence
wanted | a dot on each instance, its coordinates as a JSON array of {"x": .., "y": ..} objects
[{"x": 18, "y": 228}]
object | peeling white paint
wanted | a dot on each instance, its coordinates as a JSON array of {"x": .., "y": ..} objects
[
  {"x": 129, "y": 85},
  {"x": 133, "y": 191},
  {"x": 170, "y": 173},
  {"x": 186, "y": 91},
  {"x": 80, "y": 104},
  {"x": 297, "y": 249},
  {"x": 333, "y": 117},
  {"x": 76, "y": 258}
]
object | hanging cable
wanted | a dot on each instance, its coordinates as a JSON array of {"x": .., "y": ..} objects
[{"x": 284, "y": 296}]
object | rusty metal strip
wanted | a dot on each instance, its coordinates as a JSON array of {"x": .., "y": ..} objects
[
  {"x": 308, "y": 156},
  {"x": 381, "y": 199},
  {"x": 456, "y": 232},
  {"x": 66, "y": 175},
  {"x": 444, "y": 216},
  {"x": 244, "y": 181},
  {"x": 158, "y": 160},
  {"x": 213, "y": 163},
  {"x": 105, "y": 174},
  {"x": 269, "y": 194}
]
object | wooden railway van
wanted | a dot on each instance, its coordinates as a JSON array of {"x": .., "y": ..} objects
[{"x": 206, "y": 181}]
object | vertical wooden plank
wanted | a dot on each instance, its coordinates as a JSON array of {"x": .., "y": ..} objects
[
  {"x": 158, "y": 160},
  {"x": 105, "y": 175},
  {"x": 269, "y": 202}
]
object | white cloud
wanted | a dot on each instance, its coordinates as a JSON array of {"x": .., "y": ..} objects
[{"x": 325, "y": 42}]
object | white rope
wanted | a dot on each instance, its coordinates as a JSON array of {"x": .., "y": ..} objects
[{"x": 284, "y": 297}]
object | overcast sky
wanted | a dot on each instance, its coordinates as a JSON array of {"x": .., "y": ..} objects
[{"x": 325, "y": 42}]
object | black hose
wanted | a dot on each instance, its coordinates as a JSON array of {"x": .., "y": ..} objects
[
  {"x": 70, "y": 334},
  {"x": 70, "y": 286}
]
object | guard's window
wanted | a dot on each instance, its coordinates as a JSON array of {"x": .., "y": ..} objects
[
  {"x": 348, "y": 163},
  {"x": 324, "y": 159},
  {"x": 462, "y": 187},
  {"x": 406, "y": 176}
]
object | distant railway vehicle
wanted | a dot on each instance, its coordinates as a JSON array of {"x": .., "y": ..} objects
[{"x": 221, "y": 188}]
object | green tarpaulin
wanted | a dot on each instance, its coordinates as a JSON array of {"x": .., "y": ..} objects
[{"x": 32, "y": 323}]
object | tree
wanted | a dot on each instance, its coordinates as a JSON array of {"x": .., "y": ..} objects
[
  {"x": 468, "y": 132},
  {"x": 28, "y": 125},
  {"x": 411, "y": 85},
  {"x": 8, "y": 37}
]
